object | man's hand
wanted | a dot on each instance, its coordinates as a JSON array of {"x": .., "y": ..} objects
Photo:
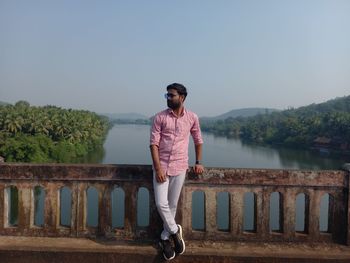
[
  {"x": 198, "y": 169},
  {"x": 160, "y": 176}
]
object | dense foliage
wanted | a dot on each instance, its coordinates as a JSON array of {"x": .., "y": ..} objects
[
  {"x": 49, "y": 133},
  {"x": 293, "y": 127}
]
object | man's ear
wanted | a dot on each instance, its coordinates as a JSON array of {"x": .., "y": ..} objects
[{"x": 182, "y": 98}]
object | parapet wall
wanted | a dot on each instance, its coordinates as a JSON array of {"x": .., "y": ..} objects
[{"x": 288, "y": 184}]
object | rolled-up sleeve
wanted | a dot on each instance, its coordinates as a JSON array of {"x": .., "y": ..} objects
[
  {"x": 196, "y": 131},
  {"x": 155, "y": 131}
]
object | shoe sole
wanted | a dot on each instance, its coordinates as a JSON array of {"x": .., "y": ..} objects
[
  {"x": 182, "y": 239},
  {"x": 168, "y": 259},
  {"x": 164, "y": 256}
]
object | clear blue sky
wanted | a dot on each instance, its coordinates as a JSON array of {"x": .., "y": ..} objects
[{"x": 118, "y": 56}]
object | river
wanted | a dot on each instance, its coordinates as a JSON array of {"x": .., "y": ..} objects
[{"x": 129, "y": 144}]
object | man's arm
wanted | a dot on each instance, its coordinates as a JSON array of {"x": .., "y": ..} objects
[
  {"x": 198, "y": 142},
  {"x": 160, "y": 176},
  {"x": 198, "y": 168},
  {"x": 154, "y": 147}
]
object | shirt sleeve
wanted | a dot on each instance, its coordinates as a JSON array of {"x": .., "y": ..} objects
[
  {"x": 155, "y": 131},
  {"x": 196, "y": 131}
]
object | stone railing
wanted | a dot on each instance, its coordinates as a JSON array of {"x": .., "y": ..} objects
[
  {"x": 288, "y": 184},
  {"x": 235, "y": 183}
]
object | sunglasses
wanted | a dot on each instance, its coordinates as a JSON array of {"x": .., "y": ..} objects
[{"x": 169, "y": 95}]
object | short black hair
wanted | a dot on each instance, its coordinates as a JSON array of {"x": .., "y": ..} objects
[{"x": 181, "y": 89}]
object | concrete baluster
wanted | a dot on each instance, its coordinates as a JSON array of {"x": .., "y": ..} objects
[
  {"x": 289, "y": 204},
  {"x": 130, "y": 210},
  {"x": 337, "y": 214},
  {"x": 25, "y": 207},
  {"x": 210, "y": 212},
  {"x": 105, "y": 209},
  {"x": 187, "y": 210},
  {"x": 263, "y": 212},
  {"x": 3, "y": 207},
  {"x": 236, "y": 209},
  {"x": 79, "y": 208},
  {"x": 74, "y": 215},
  {"x": 314, "y": 223},
  {"x": 51, "y": 207},
  {"x": 155, "y": 220},
  {"x": 348, "y": 209}
]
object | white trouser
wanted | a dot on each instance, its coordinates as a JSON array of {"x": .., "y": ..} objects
[{"x": 166, "y": 196}]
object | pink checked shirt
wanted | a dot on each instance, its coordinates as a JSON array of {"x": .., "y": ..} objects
[{"x": 171, "y": 134}]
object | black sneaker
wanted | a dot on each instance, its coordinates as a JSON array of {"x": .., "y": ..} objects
[
  {"x": 179, "y": 242},
  {"x": 168, "y": 251}
]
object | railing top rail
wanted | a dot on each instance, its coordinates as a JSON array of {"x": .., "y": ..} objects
[
  {"x": 139, "y": 173},
  {"x": 271, "y": 177},
  {"x": 76, "y": 172}
]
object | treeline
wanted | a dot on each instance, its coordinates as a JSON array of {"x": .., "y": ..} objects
[
  {"x": 49, "y": 133},
  {"x": 129, "y": 121},
  {"x": 299, "y": 127}
]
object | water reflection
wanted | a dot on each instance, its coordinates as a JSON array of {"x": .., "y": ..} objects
[
  {"x": 301, "y": 213},
  {"x": 95, "y": 156},
  {"x": 118, "y": 207},
  {"x": 275, "y": 211},
  {"x": 249, "y": 212},
  {"x": 312, "y": 160},
  {"x": 326, "y": 206},
  {"x": 12, "y": 197},
  {"x": 92, "y": 207},
  {"x": 39, "y": 202},
  {"x": 143, "y": 207},
  {"x": 198, "y": 203},
  {"x": 223, "y": 211},
  {"x": 65, "y": 206}
]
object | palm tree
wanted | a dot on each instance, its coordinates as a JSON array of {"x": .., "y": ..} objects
[{"x": 13, "y": 123}]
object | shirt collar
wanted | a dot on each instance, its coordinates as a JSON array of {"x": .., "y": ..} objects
[{"x": 170, "y": 111}]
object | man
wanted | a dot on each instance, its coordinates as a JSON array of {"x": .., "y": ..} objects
[{"x": 169, "y": 148}]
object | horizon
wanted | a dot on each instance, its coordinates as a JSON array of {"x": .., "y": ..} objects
[
  {"x": 119, "y": 57},
  {"x": 147, "y": 116}
]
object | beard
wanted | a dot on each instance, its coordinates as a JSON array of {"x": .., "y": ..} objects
[{"x": 173, "y": 105}]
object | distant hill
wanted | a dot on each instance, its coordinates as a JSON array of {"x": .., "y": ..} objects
[
  {"x": 125, "y": 116},
  {"x": 339, "y": 104},
  {"x": 324, "y": 126},
  {"x": 245, "y": 112}
]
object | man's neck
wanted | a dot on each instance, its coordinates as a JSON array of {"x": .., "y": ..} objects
[{"x": 178, "y": 112}]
